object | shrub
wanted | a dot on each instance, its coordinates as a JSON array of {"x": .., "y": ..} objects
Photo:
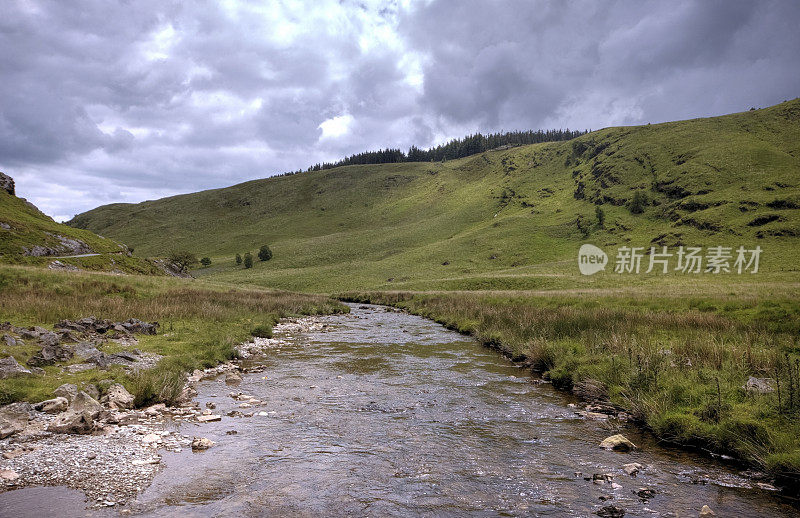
[
  {"x": 238, "y": 259},
  {"x": 601, "y": 216},
  {"x": 248, "y": 260},
  {"x": 206, "y": 262},
  {"x": 264, "y": 254},
  {"x": 638, "y": 203},
  {"x": 262, "y": 331}
]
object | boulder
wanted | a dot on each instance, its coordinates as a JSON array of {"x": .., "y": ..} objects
[
  {"x": 136, "y": 326},
  {"x": 617, "y": 442},
  {"x": 53, "y": 406},
  {"x": 706, "y": 511},
  {"x": 117, "y": 398},
  {"x": 73, "y": 422},
  {"x": 50, "y": 354},
  {"x": 14, "y": 418},
  {"x": 645, "y": 493},
  {"x": 7, "y": 184},
  {"x": 201, "y": 443},
  {"x": 32, "y": 333},
  {"x": 632, "y": 469},
  {"x": 84, "y": 403},
  {"x": 610, "y": 511},
  {"x": 48, "y": 338},
  {"x": 67, "y": 390},
  {"x": 10, "y": 341},
  {"x": 92, "y": 390},
  {"x": 9, "y": 368},
  {"x": 84, "y": 350},
  {"x": 759, "y": 385}
]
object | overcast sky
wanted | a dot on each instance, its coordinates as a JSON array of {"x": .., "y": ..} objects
[{"x": 103, "y": 103}]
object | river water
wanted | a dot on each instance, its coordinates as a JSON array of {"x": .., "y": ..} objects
[{"x": 382, "y": 413}]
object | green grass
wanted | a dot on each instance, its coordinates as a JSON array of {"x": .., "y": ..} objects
[
  {"x": 676, "y": 363},
  {"x": 499, "y": 220},
  {"x": 200, "y": 322}
]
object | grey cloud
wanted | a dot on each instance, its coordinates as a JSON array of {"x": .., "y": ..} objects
[{"x": 91, "y": 97}]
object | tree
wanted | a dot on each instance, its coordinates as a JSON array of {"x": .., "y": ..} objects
[
  {"x": 183, "y": 259},
  {"x": 638, "y": 203},
  {"x": 238, "y": 259},
  {"x": 206, "y": 262},
  {"x": 248, "y": 260},
  {"x": 601, "y": 216},
  {"x": 264, "y": 254}
]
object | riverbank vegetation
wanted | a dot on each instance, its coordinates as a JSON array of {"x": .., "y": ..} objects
[
  {"x": 678, "y": 364},
  {"x": 200, "y": 324}
]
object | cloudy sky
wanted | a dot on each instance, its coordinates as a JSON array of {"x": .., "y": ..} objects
[{"x": 105, "y": 101}]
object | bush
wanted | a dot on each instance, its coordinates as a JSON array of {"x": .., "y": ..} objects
[
  {"x": 638, "y": 203},
  {"x": 601, "y": 216},
  {"x": 265, "y": 254},
  {"x": 262, "y": 331},
  {"x": 238, "y": 259},
  {"x": 248, "y": 260},
  {"x": 206, "y": 262}
]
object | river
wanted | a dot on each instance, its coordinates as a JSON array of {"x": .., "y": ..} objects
[{"x": 381, "y": 413}]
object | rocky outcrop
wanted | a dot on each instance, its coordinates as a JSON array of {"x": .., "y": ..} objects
[
  {"x": 50, "y": 354},
  {"x": 67, "y": 390},
  {"x": 94, "y": 325},
  {"x": 65, "y": 246},
  {"x": 14, "y": 418},
  {"x": 7, "y": 184},
  {"x": 10, "y": 368}
]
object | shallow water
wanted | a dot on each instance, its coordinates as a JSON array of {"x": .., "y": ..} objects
[{"x": 387, "y": 414}]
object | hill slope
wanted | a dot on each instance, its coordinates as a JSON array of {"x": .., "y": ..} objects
[
  {"x": 510, "y": 218},
  {"x": 27, "y": 236}
]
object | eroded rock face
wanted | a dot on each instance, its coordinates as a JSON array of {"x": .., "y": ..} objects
[
  {"x": 7, "y": 184},
  {"x": 10, "y": 368}
]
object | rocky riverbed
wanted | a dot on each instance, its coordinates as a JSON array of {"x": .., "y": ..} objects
[{"x": 101, "y": 445}]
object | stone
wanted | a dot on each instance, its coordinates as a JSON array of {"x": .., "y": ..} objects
[
  {"x": 50, "y": 354},
  {"x": 84, "y": 403},
  {"x": 117, "y": 398},
  {"x": 632, "y": 469},
  {"x": 14, "y": 418},
  {"x": 759, "y": 385},
  {"x": 9, "y": 476},
  {"x": 84, "y": 350},
  {"x": 187, "y": 394},
  {"x": 53, "y": 406},
  {"x": 211, "y": 405},
  {"x": 151, "y": 438},
  {"x": 10, "y": 341},
  {"x": 10, "y": 368},
  {"x": 7, "y": 184},
  {"x": 766, "y": 487},
  {"x": 610, "y": 511},
  {"x": 233, "y": 378},
  {"x": 209, "y": 418},
  {"x": 92, "y": 390},
  {"x": 706, "y": 511},
  {"x": 48, "y": 338},
  {"x": 67, "y": 390},
  {"x": 617, "y": 442},
  {"x": 201, "y": 443},
  {"x": 645, "y": 493},
  {"x": 73, "y": 422}
]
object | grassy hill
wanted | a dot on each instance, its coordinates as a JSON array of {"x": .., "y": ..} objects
[
  {"x": 27, "y": 236},
  {"x": 506, "y": 219}
]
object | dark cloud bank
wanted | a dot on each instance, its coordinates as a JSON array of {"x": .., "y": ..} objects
[{"x": 103, "y": 102}]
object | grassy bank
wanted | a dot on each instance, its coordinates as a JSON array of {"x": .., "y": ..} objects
[
  {"x": 678, "y": 364},
  {"x": 200, "y": 323}
]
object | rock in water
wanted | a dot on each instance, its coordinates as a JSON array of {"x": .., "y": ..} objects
[
  {"x": 617, "y": 442},
  {"x": 201, "y": 443},
  {"x": 632, "y": 469},
  {"x": 233, "y": 378},
  {"x": 10, "y": 368},
  {"x": 117, "y": 398},
  {"x": 610, "y": 511},
  {"x": 53, "y": 406},
  {"x": 706, "y": 511}
]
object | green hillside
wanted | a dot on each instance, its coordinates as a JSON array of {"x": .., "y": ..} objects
[
  {"x": 505, "y": 219},
  {"x": 27, "y": 236}
]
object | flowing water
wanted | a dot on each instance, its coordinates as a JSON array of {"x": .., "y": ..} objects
[{"x": 383, "y": 413}]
